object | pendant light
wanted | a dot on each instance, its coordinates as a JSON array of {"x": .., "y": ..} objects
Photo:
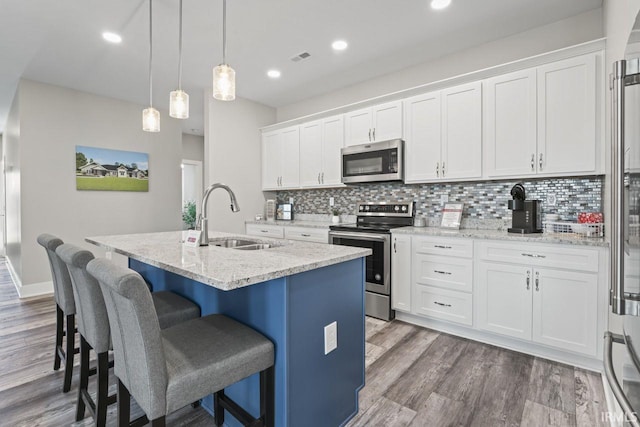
[
  {"x": 150, "y": 116},
  {"x": 224, "y": 77},
  {"x": 179, "y": 99}
]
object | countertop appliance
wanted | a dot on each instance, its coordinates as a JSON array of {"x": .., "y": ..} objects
[
  {"x": 526, "y": 215},
  {"x": 373, "y": 230},
  {"x": 624, "y": 292},
  {"x": 378, "y": 161}
]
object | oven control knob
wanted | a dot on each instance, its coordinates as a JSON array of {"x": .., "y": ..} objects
[
  {"x": 397, "y": 208},
  {"x": 361, "y": 208},
  {"x": 404, "y": 209},
  {"x": 378, "y": 277},
  {"x": 366, "y": 208}
]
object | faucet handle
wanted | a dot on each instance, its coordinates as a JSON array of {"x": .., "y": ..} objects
[{"x": 199, "y": 222}]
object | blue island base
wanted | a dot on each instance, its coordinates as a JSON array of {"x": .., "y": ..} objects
[{"x": 312, "y": 389}]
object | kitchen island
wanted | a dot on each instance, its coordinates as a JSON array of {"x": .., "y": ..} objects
[{"x": 289, "y": 292}]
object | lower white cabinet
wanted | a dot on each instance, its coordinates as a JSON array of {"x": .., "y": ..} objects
[
  {"x": 265, "y": 230},
  {"x": 307, "y": 234},
  {"x": 444, "y": 304},
  {"x": 401, "y": 272}
]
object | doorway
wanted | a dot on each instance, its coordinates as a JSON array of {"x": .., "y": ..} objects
[{"x": 192, "y": 186}]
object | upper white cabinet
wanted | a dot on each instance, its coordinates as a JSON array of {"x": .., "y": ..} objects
[
  {"x": 280, "y": 159},
  {"x": 378, "y": 123},
  {"x": 444, "y": 134},
  {"x": 542, "y": 121},
  {"x": 320, "y": 144}
]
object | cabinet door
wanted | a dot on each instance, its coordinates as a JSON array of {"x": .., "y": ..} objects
[
  {"x": 504, "y": 299},
  {"x": 510, "y": 124},
  {"x": 310, "y": 153},
  {"x": 271, "y": 147},
  {"x": 332, "y": 142},
  {"x": 387, "y": 121},
  {"x": 567, "y": 137},
  {"x": 401, "y": 273},
  {"x": 290, "y": 158},
  {"x": 462, "y": 132},
  {"x": 357, "y": 127},
  {"x": 422, "y": 137},
  {"x": 565, "y": 307}
]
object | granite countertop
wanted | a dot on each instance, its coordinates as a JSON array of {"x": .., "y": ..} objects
[
  {"x": 226, "y": 268},
  {"x": 295, "y": 223},
  {"x": 562, "y": 238}
]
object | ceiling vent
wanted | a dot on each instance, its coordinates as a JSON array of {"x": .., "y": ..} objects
[{"x": 299, "y": 57}]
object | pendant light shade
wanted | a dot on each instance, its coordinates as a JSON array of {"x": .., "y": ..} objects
[
  {"x": 179, "y": 99},
  {"x": 150, "y": 116},
  {"x": 224, "y": 77}
]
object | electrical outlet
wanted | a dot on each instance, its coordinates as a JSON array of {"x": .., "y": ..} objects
[
  {"x": 551, "y": 199},
  {"x": 444, "y": 198},
  {"x": 330, "y": 337},
  {"x": 291, "y": 200},
  {"x": 331, "y": 201}
]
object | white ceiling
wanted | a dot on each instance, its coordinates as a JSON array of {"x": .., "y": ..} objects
[{"x": 59, "y": 42}]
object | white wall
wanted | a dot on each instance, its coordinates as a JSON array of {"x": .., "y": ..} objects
[
  {"x": 232, "y": 156},
  {"x": 192, "y": 147},
  {"x": 43, "y": 196},
  {"x": 584, "y": 27},
  {"x": 11, "y": 153}
]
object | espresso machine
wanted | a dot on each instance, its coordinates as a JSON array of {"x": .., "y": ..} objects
[{"x": 527, "y": 214}]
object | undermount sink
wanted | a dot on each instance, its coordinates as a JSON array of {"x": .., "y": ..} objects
[{"x": 242, "y": 244}]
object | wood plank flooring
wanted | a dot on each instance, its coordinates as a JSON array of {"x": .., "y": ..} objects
[{"x": 415, "y": 377}]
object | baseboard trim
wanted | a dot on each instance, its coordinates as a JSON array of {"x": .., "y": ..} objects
[{"x": 31, "y": 290}]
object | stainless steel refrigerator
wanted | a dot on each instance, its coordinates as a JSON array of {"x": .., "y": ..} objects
[{"x": 622, "y": 368}]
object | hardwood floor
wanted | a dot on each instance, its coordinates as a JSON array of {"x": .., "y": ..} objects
[{"x": 415, "y": 377}]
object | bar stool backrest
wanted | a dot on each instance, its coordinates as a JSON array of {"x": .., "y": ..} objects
[
  {"x": 62, "y": 290},
  {"x": 93, "y": 321},
  {"x": 139, "y": 358}
]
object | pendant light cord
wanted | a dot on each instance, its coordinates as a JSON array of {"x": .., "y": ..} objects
[
  {"x": 224, "y": 31},
  {"x": 150, "y": 53},
  {"x": 180, "y": 52}
]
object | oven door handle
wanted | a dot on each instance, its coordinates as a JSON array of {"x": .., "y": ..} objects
[{"x": 360, "y": 236}]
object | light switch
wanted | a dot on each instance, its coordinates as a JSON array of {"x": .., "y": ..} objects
[
  {"x": 330, "y": 337},
  {"x": 331, "y": 202}
]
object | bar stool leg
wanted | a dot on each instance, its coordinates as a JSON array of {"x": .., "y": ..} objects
[
  {"x": 124, "y": 405},
  {"x": 218, "y": 411},
  {"x": 59, "y": 334},
  {"x": 158, "y": 422},
  {"x": 68, "y": 365},
  {"x": 103, "y": 389},
  {"x": 267, "y": 396},
  {"x": 84, "y": 378}
]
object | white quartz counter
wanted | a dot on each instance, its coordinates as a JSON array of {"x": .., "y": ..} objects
[
  {"x": 227, "y": 268},
  {"x": 561, "y": 238}
]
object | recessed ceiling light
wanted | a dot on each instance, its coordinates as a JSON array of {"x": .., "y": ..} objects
[
  {"x": 440, "y": 4},
  {"x": 274, "y": 74},
  {"x": 111, "y": 37},
  {"x": 339, "y": 45}
]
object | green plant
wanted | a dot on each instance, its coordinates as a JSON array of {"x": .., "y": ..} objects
[
  {"x": 189, "y": 215},
  {"x": 335, "y": 212}
]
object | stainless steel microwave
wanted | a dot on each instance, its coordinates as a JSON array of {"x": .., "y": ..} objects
[{"x": 378, "y": 161}]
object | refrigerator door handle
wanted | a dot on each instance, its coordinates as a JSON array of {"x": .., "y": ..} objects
[{"x": 630, "y": 414}]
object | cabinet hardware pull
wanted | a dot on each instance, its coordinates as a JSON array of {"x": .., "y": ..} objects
[
  {"x": 533, "y": 162},
  {"x": 441, "y": 272},
  {"x": 322, "y": 178},
  {"x": 264, "y": 231},
  {"x": 438, "y": 169},
  {"x": 318, "y": 177},
  {"x": 537, "y": 281},
  {"x": 444, "y": 305},
  {"x": 369, "y": 135},
  {"x": 442, "y": 246},
  {"x": 528, "y": 280},
  {"x": 305, "y": 235},
  {"x": 395, "y": 248},
  {"x": 443, "y": 170},
  {"x": 374, "y": 134},
  {"x": 540, "y": 161},
  {"x": 534, "y": 255}
]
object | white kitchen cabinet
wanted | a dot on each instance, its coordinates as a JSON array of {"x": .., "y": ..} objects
[
  {"x": 265, "y": 230},
  {"x": 510, "y": 110},
  {"x": 378, "y": 123},
  {"x": 320, "y": 159},
  {"x": 567, "y": 139},
  {"x": 307, "y": 234},
  {"x": 443, "y": 271},
  {"x": 444, "y": 304},
  {"x": 503, "y": 300},
  {"x": 444, "y": 134},
  {"x": 281, "y": 159},
  {"x": 401, "y": 272}
]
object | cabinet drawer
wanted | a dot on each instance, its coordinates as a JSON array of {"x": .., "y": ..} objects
[
  {"x": 443, "y": 246},
  {"x": 444, "y": 304},
  {"x": 557, "y": 256},
  {"x": 265, "y": 230},
  {"x": 444, "y": 272},
  {"x": 318, "y": 235}
]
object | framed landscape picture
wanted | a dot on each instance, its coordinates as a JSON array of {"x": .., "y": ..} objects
[{"x": 101, "y": 169}]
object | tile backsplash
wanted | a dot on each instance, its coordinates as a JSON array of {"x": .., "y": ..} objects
[{"x": 484, "y": 200}]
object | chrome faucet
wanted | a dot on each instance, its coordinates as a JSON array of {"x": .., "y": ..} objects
[{"x": 203, "y": 221}]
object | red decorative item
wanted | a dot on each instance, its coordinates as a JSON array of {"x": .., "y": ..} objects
[{"x": 590, "y": 218}]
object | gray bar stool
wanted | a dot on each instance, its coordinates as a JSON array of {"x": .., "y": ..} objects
[
  {"x": 93, "y": 325},
  {"x": 65, "y": 308},
  {"x": 167, "y": 369}
]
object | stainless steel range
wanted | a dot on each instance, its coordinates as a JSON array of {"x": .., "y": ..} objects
[{"x": 373, "y": 231}]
